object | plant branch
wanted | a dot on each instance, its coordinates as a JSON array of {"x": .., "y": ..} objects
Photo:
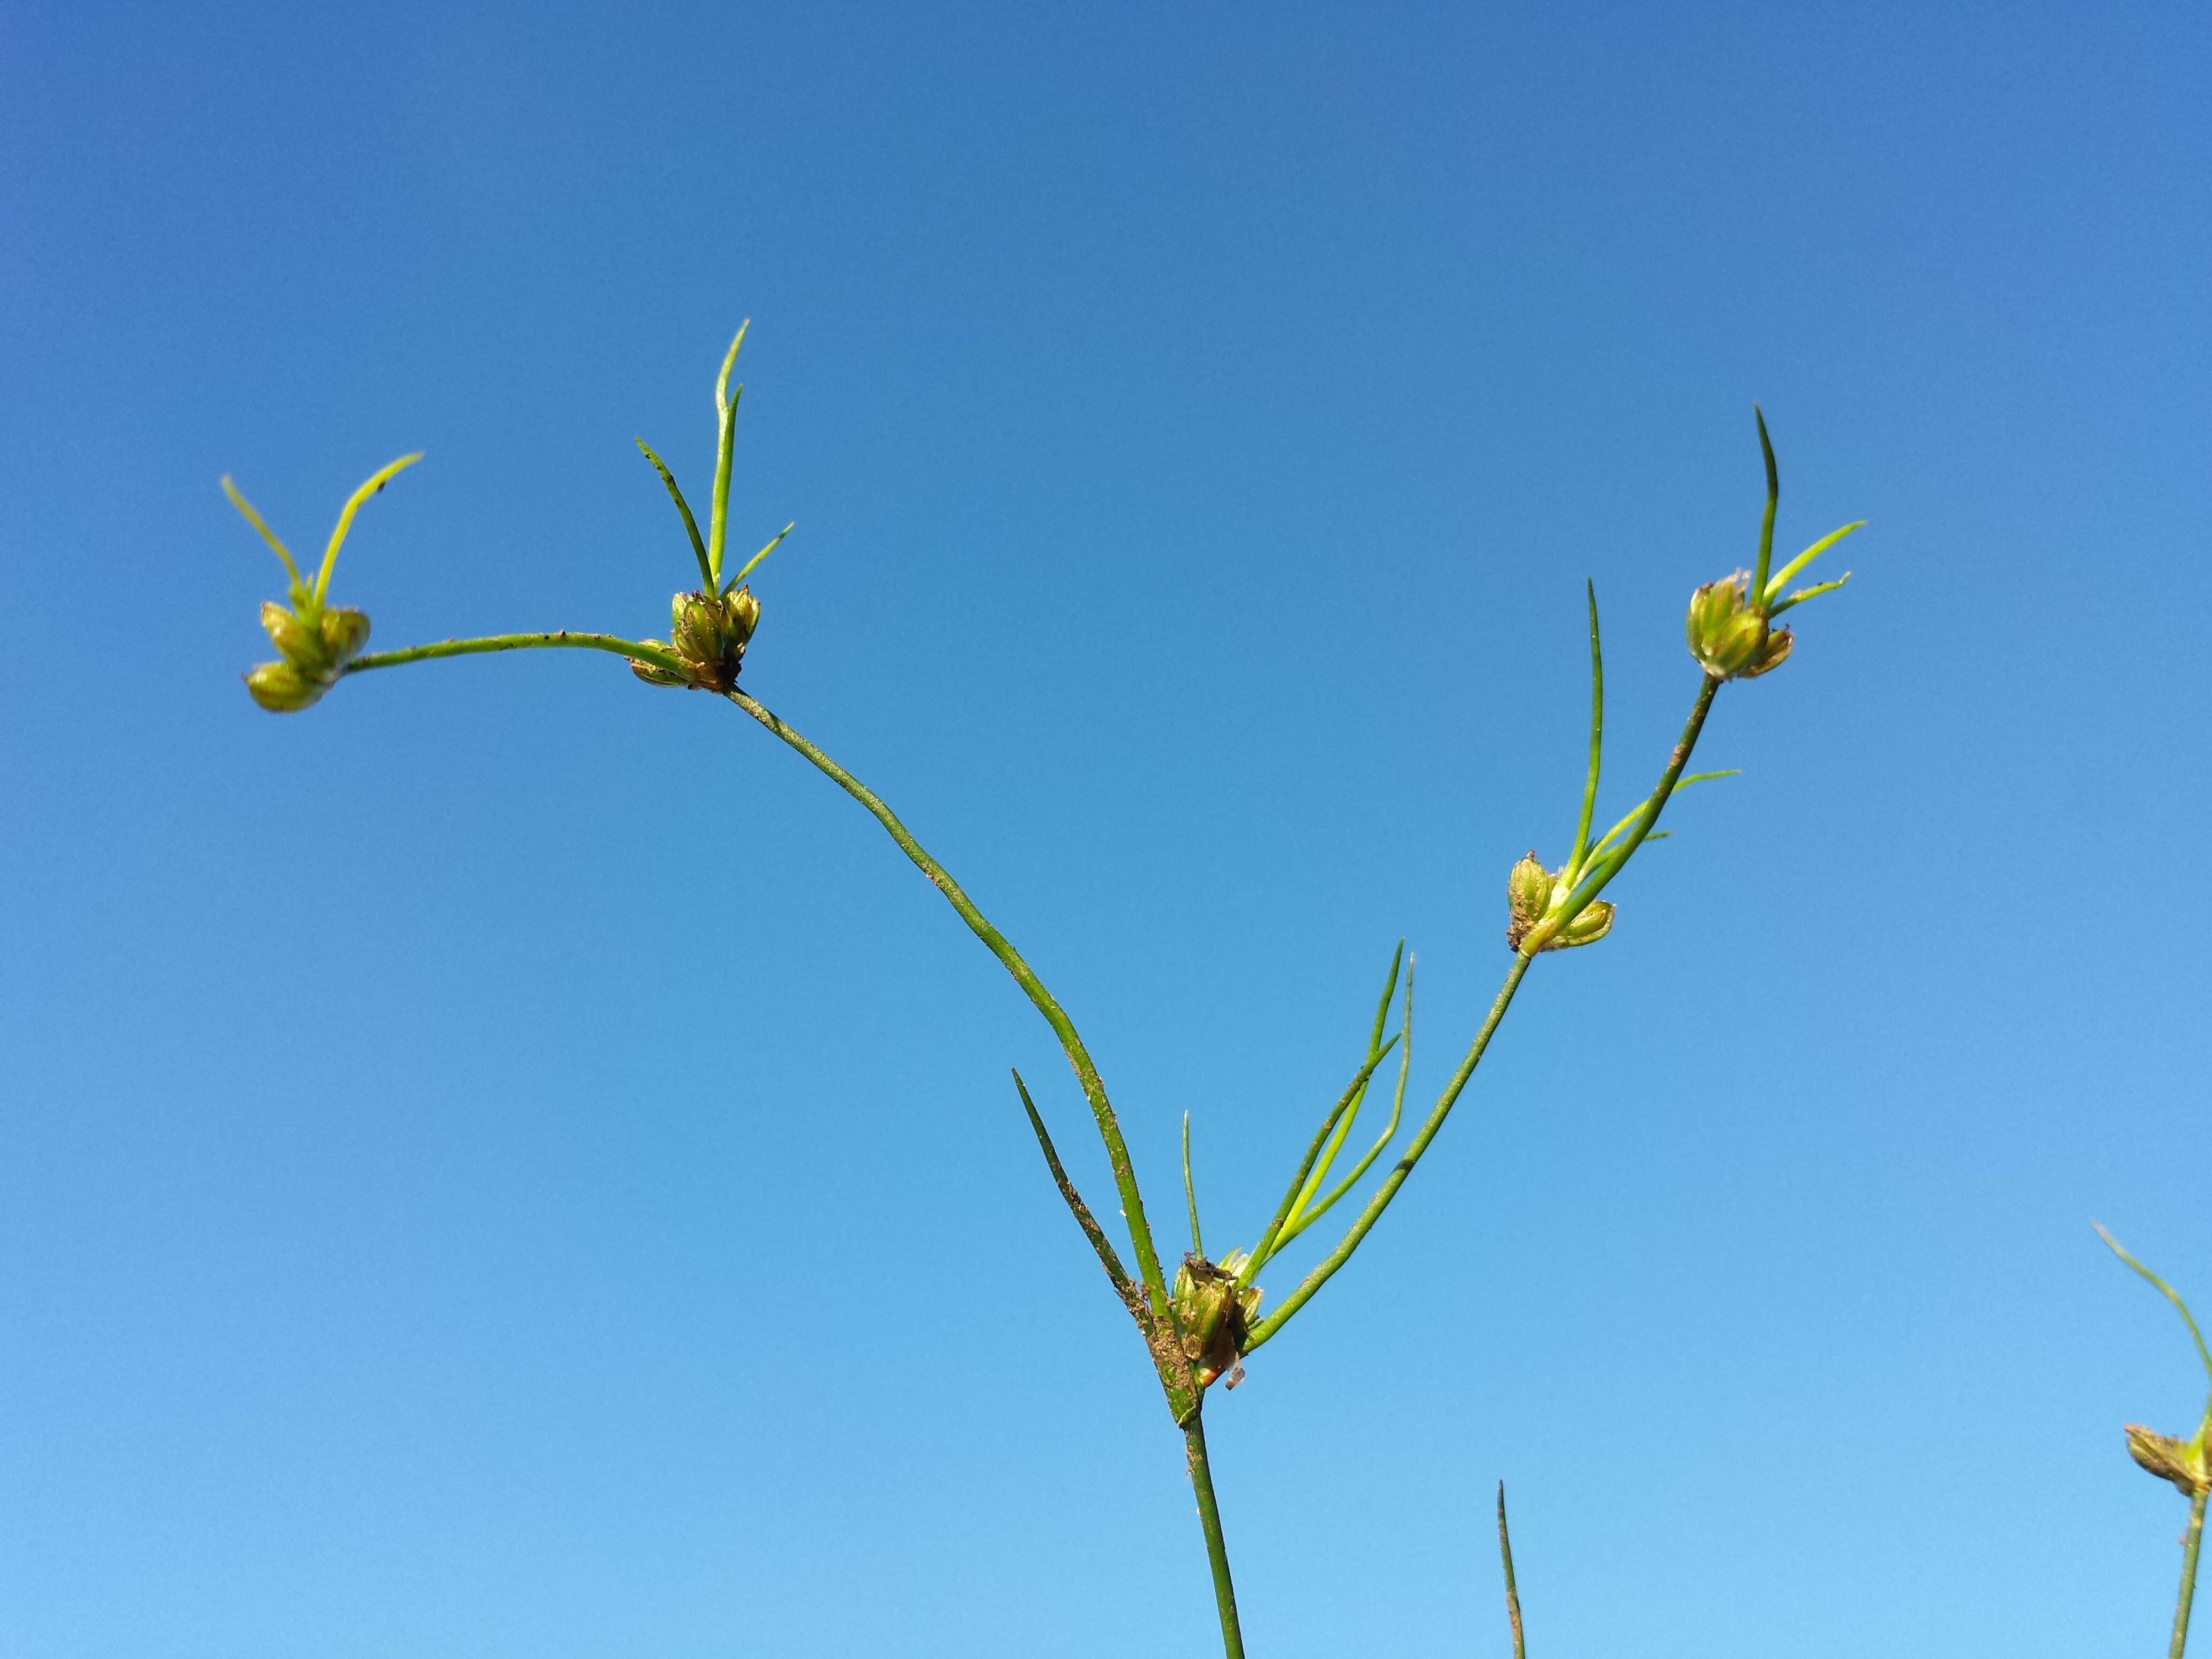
[
  {"x": 1087, "y": 1073},
  {"x": 1381, "y": 1202},
  {"x": 659, "y": 656}
]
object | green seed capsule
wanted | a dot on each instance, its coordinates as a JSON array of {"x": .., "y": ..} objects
[
  {"x": 294, "y": 640},
  {"x": 1725, "y": 634},
  {"x": 2168, "y": 1459},
  {"x": 282, "y": 689},
  {"x": 1587, "y": 928},
  {"x": 345, "y": 631}
]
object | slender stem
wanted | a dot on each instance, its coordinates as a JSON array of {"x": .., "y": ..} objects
[
  {"x": 2191, "y": 1539},
  {"x": 1616, "y": 861},
  {"x": 1086, "y": 1074},
  {"x": 1512, "y": 1594},
  {"x": 659, "y": 656},
  {"x": 1381, "y": 1202},
  {"x": 1217, "y": 1548}
]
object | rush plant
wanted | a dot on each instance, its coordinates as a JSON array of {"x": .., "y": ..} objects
[
  {"x": 2186, "y": 1463},
  {"x": 1197, "y": 1318}
]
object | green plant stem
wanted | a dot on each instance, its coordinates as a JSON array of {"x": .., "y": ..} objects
[
  {"x": 659, "y": 656},
  {"x": 1404, "y": 1167},
  {"x": 1217, "y": 1549},
  {"x": 2191, "y": 1541},
  {"x": 1086, "y": 1074}
]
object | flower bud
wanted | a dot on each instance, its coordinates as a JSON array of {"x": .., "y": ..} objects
[
  {"x": 294, "y": 640},
  {"x": 345, "y": 631},
  {"x": 282, "y": 689},
  {"x": 654, "y": 673},
  {"x": 1528, "y": 895},
  {"x": 1587, "y": 928},
  {"x": 1772, "y": 655},
  {"x": 743, "y": 611},
  {"x": 709, "y": 632},
  {"x": 2161, "y": 1455},
  {"x": 1725, "y": 634}
]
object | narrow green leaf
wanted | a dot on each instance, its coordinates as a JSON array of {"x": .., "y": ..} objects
[
  {"x": 1123, "y": 1287},
  {"x": 383, "y": 476},
  {"x": 1268, "y": 1243},
  {"x": 245, "y": 506},
  {"x": 1773, "y": 498},
  {"x": 2168, "y": 1292},
  {"x": 754, "y": 562},
  {"x": 1597, "y": 736},
  {"x": 1321, "y": 1166},
  {"x": 684, "y": 509},
  {"x": 1512, "y": 1592},
  {"x": 1680, "y": 784},
  {"x": 1781, "y": 578},
  {"x": 1812, "y": 593},
  {"x": 725, "y": 409},
  {"x": 1389, "y": 1129},
  {"x": 1190, "y": 1192}
]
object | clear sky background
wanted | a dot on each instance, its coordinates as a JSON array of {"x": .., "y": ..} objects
[{"x": 512, "y": 1163}]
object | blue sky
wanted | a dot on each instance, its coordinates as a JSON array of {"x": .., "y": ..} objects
[{"x": 510, "y": 1162}]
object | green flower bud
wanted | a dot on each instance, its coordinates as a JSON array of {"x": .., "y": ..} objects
[
  {"x": 1772, "y": 655},
  {"x": 282, "y": 689},
  {"x": 1725, "y": 634},
  {"x": 345, "y": 631},
  {"x": 695, "y": 628},
  {"x": 1532, "y": 894},
  {"x": 654, "y": 673},
  {"x": 1528, "y": 895},
  {"x": 709, "y": 632},
  {"x": 743, "y": 611},
  {"x": 1587, "y": 928},
  {"x": 294, "y": 640},
  {"x": 2180, "y": 1461}
]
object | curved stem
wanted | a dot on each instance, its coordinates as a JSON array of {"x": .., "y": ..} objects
[
  {"x": 659, "y": 656},
  {"x": 1217, "y": 1548},
  {"x": 1086, "y": 1074},
  {"x": 2191, "y": 1541},
  {"x": 1389, "y": 1190}
]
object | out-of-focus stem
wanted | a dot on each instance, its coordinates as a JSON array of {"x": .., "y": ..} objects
[
  {"x": 659, "y": 656},
  {"x": 2191, "y": 1541}
]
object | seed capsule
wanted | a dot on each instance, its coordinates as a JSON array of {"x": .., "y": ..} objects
[
  {"x": 282, "y": 689},
  {"x": 1725, "y": 634},
  {"x": 345, "y": 631},
  {"x": 2168, "y": 1459}
]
